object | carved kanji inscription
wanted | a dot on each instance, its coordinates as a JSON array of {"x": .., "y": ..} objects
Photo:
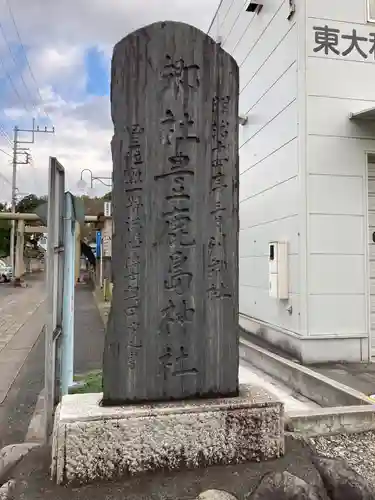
[{"x": 173, "y": 328}]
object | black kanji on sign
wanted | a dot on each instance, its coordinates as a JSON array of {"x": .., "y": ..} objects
[
  {"x": 355, "y": 44},
  {"x": 372, "y": 41},
  {"x": 327, "y": 39}
]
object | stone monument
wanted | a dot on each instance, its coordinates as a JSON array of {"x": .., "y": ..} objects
[
  {"x": 173, "y": 326},
  {"x": 170, "y": 372}
]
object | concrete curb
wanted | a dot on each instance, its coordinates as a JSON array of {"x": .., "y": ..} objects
[
  {"x": 36, "y": 429},
  {"x": 314, "y": 386},
  {"x": 102, "y": 306},
  {"x": 326, "y": 421}
]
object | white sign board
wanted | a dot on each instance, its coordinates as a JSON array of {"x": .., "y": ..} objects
[
  {"x": 107, "y": 209},
  {"x": 107, "y": 238}
]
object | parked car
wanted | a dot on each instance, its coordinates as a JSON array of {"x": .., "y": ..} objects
[{"x": 6, "y": 272}]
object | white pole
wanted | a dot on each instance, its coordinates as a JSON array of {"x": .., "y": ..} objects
[
  {"x": 67, "y": 362},
  {"x": 14, "y": 191},
  {"x": 101, "y": 261},
  {"x": 18, "y": 267}
]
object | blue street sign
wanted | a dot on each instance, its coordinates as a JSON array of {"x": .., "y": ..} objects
[{"x": 98, "y": 245}]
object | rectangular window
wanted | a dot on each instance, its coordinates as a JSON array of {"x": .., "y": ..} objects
[{"x": 371, "y": 10}]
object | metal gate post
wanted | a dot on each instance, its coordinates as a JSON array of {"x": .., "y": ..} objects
[{"x": 55, "y": 223}]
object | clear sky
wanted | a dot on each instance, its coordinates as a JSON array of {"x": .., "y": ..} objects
[{"x": 55, "y": 66}]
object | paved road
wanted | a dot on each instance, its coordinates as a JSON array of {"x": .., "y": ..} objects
[
  {"x": 18, "y": 407},
  {"x": 5, "y": 289},
  {"x": 22, "y": 369},
  {"x": 22, "y": 316}
]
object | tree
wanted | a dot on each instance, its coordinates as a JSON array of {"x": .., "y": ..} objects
[
  {"x": 29, "y": 203},
  {"x": 93, "y": 206},
  {"x": 4, "y": 233}
]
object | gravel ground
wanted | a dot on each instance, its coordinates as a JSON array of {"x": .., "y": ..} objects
[{"x": 357, "y": 449}]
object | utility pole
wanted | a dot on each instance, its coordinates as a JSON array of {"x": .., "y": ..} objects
[
  {"x": 14, "y": 181},
  {"x": 16, "y": 151},
  {"x": 14, "y": 192}
]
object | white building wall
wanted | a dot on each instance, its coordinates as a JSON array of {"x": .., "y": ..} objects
[
  {"x": 337, "y": 85},
  {"x": 265, "y": 47}
]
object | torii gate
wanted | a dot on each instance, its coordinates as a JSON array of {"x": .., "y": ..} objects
[{"x": 23, "y": 229}]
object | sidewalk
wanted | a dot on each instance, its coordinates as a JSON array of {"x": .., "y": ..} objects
[
  {"x": 359, "y": 376},
  {"x": 17, "y": 305},
  {"x": 22, "y": 358},
  {"x": 22, "y": 313},
  {"x": 22, "y": 316},
  {"x": 88, "y": 331}
]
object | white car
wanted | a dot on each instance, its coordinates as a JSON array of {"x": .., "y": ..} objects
[{"x": 6, "y": 272}]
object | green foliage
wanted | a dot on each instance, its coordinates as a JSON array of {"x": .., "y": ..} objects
[
  {"x": 4, "y": 239},
  {"x": 29, "y": 203},
  {"x": 93, "y": 206},
  {"x": 91, "y": 382},
  {"x": 4, "y": 233}
]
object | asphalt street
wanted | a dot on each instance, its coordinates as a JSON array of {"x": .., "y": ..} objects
[{"x": 19, "y": 404}]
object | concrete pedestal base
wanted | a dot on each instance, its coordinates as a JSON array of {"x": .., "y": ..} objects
[{"x": 91, "y": 442}]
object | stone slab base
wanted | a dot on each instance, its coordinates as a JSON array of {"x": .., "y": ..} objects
[{"x": 92, "y": 443}]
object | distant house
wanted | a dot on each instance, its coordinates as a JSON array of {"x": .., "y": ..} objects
[{"x": 307, "y": 165}]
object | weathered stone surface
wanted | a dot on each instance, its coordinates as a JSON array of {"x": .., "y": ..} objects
[
  {"x": 341, "y": 481},
  {"x": 93, "y": 442},
  {"x": 173, "y": 327},
  {"x": 216, "y": 495},
  {"x": 7, "y": 489},
  {"x": 10, "y": 456},
  {"x": 285, "y": 486}
]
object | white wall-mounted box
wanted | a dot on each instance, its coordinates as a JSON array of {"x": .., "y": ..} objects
[{"x": 278, "y": 270}]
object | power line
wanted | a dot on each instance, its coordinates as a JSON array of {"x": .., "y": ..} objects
[
  {"x": 13, "y": 85},
  {"x": 216, "y": 13},
  {"x": 8, "y": 154},
  {"x": 5, "y": 134},
  {"x": 26, "y": 58},
  {"x": 15, "y": 63},
  {"x": 2, "y": 176}
]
